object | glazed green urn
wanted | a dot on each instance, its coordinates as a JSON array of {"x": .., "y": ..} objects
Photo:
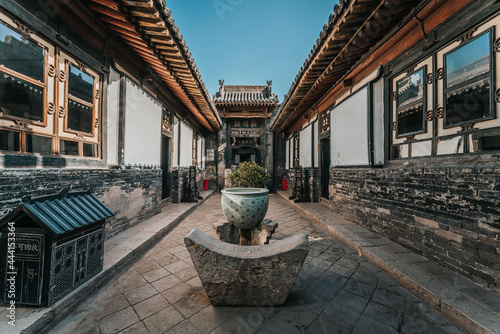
[{"x": 245, "y": 208}]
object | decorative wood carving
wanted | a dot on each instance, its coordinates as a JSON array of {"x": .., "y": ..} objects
[
  {"x": 97, "y": 94},
  {"x": 429, "y": 115},
  {"x": 410, "y": 138},
  {"x": 51, "y": 108},
  {"x": 467, "y": 127},
  {"x": 440, "y": 74},
  {"x": 411, "y": 69},
  {"x": 468, "y": 35},
  {"x": 394, "y": 96},
  {"x": 62, "y": 112},
  {"x": 497, "y": 45},
  {"x": 97, "y": 123},
  {"x": 62, "y": 76},
  {"x": 52, "y": 71},
  {"x": 497, "y": 95},
  {"x": 166, "y": 123},
  {"x": 439, "y": 112},
  {"x": 80, "y": 136},
  {"x": 19, "y": 125},
  {"x": 23, "y": 29},
  {"x": 393, "y": 126},
  {"x": 81, "y": 66},
  {"x": 430, "y": 78}
]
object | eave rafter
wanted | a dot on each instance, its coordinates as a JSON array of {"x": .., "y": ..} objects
[
  {"x": 148, "y": 29},
  {"x": 353, "y": 29}
]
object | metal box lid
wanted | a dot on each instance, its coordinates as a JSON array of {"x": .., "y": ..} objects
[{"x": 63, "y": 213}]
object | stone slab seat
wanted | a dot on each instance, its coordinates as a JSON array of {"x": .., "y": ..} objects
[{"x": 247, "y": 275}]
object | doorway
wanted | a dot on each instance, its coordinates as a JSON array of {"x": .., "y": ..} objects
[
  {"x": 240, "y": 154},
  {"x": 165, "y": 162},
  {"x": 325, "y": 166}
]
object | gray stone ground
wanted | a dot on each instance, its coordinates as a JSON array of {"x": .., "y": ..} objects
[{"x": 336, "y": 292}]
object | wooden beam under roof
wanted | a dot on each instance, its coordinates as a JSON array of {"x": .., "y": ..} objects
[{"x": 164, "y": 50}]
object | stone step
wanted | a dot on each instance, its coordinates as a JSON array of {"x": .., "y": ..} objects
[
  {"x": 119, "y": 253},
  {"x": 464, "y": 303}
]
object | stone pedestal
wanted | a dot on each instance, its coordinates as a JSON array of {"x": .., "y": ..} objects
[
  {"x": 259, "y": 235},
  {"x": 247, "y": 276}
]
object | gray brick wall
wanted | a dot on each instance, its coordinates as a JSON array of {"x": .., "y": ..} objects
[
  {"x": 133, "y": 194},
  {"x": 179, "y": 183},
  {"x": 450, "y": 214}
]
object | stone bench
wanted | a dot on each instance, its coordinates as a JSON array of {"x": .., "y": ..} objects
[{"x": 247, "y": 275}]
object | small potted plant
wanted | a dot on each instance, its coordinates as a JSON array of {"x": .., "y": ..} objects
[{"x": 245, "y": 203}]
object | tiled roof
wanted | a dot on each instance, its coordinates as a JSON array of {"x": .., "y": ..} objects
[
  {"x": 245, "y": 95},
  {"x": 62, "y": 213},
  {"x": 354, "y": 27},
  {"x": 148, "y": 29}
]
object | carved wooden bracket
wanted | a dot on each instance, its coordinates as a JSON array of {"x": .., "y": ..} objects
[
  {"x": 467, "y": 127},
  {"x": 19, "y": 125},
  {"x": 411, "y": 69},
  {"x": 468, "y": 35},
  {"x": 23, "y": 29}
]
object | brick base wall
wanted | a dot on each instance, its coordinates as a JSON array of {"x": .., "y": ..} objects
[
  {"x": 451, "y": 215},
  {"x": 133, "y": 194},
  {"x": 311, "y": 178},
  {"x": 179, "y": 183}
]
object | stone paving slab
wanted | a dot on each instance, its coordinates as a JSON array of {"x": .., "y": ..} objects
[
  {"x": 466, "y": 304},
  {"x": 119, "y": 251},
  {"x": 337, "y": 291}
]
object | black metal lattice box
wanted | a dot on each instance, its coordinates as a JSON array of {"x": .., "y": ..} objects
[{"x": 50, "y": 246}]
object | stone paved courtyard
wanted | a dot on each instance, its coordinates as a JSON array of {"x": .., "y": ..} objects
[{"x": 337, "y": 291}]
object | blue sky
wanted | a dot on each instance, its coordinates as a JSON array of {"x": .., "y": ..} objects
[{"x": 250, "y": 41}]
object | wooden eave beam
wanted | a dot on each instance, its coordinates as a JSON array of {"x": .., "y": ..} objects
[
  {"x": 148, "y": 3},
  {"x": 152, "y": 50},
  {"x": 346, "y": 26},
  {"x": 108, "y": 3},
  {"x": 107, "y": 11},
  {"x": 146, "y": 24}
]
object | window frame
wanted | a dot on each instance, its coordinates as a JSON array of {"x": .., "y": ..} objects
[
  {"x": 68, "y": 97},
  {"x": 438, "y": 132},
  {"x": 490, "y": 75},
  {"x": 45, "y": 85},
  {"x": 68, "y": 134},
  {"x": 424, "y": 102}
]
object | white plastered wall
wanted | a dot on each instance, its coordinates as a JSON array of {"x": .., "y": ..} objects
[
  {"x": 175, "y": 143},
  {"x": 349, "y": 131},
  {"x": 143, "y": 115},
  {"x": 378, "y": 122},
  {"x": 186, "y": 151},
  {"x": 306, "y": 147},
  {"x": 113, "y": 118},
  {"x": 287, "y": 154},
  {"x": 316, "y": 144}
]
